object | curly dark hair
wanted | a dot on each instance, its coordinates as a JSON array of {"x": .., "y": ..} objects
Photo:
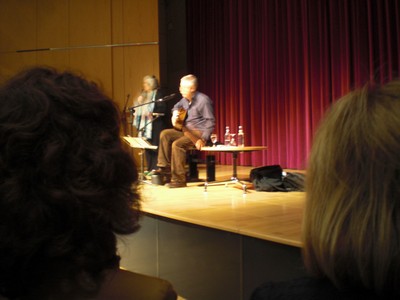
[{"x": 67, "y": 187}]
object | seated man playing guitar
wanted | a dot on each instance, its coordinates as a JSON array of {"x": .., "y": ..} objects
[{"x": 193, "y": 121}]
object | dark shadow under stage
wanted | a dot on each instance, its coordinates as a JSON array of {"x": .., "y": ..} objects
[{"x": 220, "y": 244}]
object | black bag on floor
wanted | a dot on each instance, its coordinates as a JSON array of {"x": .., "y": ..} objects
[
  {"x": 294, "y": 181},
  {"x": 270, "y": 179},
  {"x": 267, "y": 178}
]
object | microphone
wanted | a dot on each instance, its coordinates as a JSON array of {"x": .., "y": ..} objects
[
  {"x": 158, "y": 114},
  {"x": 166, "y": 98}
]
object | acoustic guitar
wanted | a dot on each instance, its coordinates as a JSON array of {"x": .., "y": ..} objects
[
  {"x": 180, "y": 119},
  {"x": 179, "y": 125}
]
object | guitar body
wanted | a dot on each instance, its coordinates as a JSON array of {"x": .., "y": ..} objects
[
  {"x": 181, "y": 119},
  {"x": 180, "y": 126}
]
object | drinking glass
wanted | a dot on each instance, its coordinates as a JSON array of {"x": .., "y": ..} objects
[
  {"x": 233, "y": 141},
  {"x": 214, "y": 139}
]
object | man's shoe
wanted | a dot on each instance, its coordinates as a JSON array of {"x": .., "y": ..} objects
[
  {"x": 176, "y": 184},
  {"x": 164, "y": 173}
]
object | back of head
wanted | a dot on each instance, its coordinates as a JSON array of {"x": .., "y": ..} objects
[
  {"x": 66, "y": 185},
  {"x": 352, "y": 219}
]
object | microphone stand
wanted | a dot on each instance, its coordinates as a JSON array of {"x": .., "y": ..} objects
[
  {"x": 141, "y": 130},
  {"x": 126, "y": 102},
  {"x": 133, "y": 108},
  {"x": 149, "y": 122},
  {"x": 123, "y": 115},
  {"x": 166, "y": 98},
  {"x": 142, "y": 151}
]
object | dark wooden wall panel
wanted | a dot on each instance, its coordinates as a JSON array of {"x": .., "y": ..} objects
[
  {"x": 11, "y": 62},
  {"x": 95, "y": 64},
  {"x": 139, "y": 26},
  {"x": 52, "y": 24},
  {"x": 89, "y": 22},
  {"x": 34, "y": 24},
  {"x": 56, "y": 59},
  {"x": 17, "y": 24}
]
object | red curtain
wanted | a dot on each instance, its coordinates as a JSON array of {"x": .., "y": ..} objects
[{"x": 275, "y": 66}]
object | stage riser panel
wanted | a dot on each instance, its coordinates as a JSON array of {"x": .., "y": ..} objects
[{"x": 204, "y": 263}]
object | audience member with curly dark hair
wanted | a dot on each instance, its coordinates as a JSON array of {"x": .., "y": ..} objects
[{"x": 66, "y": 188}]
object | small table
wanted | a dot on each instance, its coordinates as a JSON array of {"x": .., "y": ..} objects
[{"x": 235, "y": 150}]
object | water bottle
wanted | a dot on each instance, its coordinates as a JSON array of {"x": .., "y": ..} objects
[
  {"x": 240, "y": 137},
  {"x": 227, "y": 137}
]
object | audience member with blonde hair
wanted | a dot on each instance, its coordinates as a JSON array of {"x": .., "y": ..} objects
[{"x": 351, "y": 229}]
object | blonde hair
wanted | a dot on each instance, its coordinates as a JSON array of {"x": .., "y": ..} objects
[{"x": 351, "y": 229}]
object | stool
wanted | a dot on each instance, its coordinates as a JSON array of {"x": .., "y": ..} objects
[
  {"x": 194, "y": 160},
  {"x": 210, "y": 163}
]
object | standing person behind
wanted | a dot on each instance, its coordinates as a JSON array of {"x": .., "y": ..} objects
[
  {"x": 144, "y": 116},
  {"x": 197, "y": 127},
  {"x": 67, "y": 188},
  {"x": 351, "y": 229}
]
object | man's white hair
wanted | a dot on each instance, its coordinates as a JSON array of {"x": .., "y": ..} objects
[{"x": 190, "y": 78}]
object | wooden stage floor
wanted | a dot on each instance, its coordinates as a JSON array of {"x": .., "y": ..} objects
[{"x": 271, "y": 216}]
